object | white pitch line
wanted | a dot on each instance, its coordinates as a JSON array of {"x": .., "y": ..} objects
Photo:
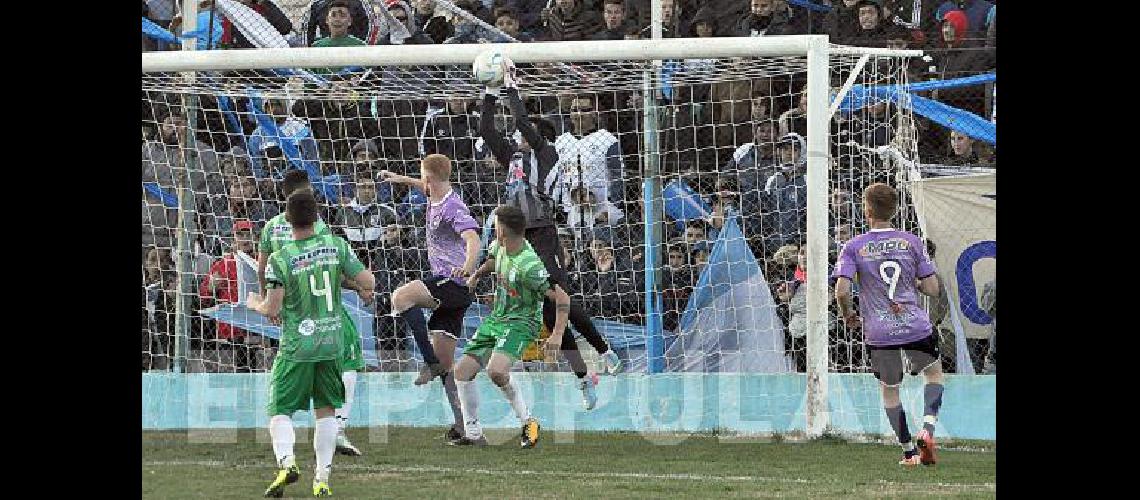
[{"x": 620, "y": 475}]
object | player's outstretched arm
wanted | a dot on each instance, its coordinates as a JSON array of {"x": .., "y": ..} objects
[
  {"x": 500, "y": 150},
  {"x": 388, "y": 176},
  {"x": 262, "y": 261}
]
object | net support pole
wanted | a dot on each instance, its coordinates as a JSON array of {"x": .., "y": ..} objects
[
  {"x": 183, "y": 261},
  {"x": 818, "y": 159},
  {"x": 651, "y": 193}
]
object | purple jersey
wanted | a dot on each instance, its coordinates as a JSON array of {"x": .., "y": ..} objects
[
  {"x": 446, "y": 220},
  {"x": 889, "y": 264}
]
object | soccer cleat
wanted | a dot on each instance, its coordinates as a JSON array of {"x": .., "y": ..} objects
[
  {"x": 529, "y": 436},
  {"x": 613, "y": 362},
  {"x": 344, "y": 447},
  {"x": 453, "y": 434},
  {"x": 909, "y": 461},
  {"x": 926, "y": 446},
  {"x": 321, "y": 489},
  {"x": 428, "y": 372},
  {"x": 284, "y": 477},
  {"x": 466, "y": 441},
  {"x": 589, "y": 396}
]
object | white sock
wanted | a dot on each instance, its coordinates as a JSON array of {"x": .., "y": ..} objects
[
  {"x": 324, "y": 442},
  {"x": 342, "y": 413},
  {"x": 281, "y": 432},
  {"x": 516, "y": 401},
  {"x": 469, "y": 402}
]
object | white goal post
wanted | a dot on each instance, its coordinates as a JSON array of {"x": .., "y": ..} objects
[{"x": 817, "y": 50}]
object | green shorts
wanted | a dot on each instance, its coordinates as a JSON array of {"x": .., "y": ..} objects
[
  {"x": 352, "y": 357},
  {"x": 294, "y": 384},
  {"x": 508, "y": 337}
]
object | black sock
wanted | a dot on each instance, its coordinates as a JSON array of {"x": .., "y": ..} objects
[
  {"x": 932, "y": 398},
  {"x": 416, "y": 321},
  {"x": 897, "y": 418}
]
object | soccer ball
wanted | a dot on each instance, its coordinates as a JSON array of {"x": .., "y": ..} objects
[{"x": 488, "y": 68}]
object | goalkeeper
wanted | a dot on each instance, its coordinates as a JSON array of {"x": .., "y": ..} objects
[{"x": 530, "y": 180}]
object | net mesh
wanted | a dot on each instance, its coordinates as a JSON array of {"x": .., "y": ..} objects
[{"x": 732, "y": 204}]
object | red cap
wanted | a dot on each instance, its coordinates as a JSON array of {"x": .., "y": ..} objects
[{"x": 243, "y": 225}]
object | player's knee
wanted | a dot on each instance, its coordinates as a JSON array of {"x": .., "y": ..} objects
[
  {"x": 933, "y": 373},
  {"x": 890, "y": 395},
  {"x": 500, "y": 377}
]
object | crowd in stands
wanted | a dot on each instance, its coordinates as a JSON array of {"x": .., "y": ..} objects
[{"x": 739, "y": 145}]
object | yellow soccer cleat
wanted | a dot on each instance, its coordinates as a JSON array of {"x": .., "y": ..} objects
[
  {"x": 284, "y": 477},
  {"x": 529, "y": 433},
  {"x": 321, "y": 489}
]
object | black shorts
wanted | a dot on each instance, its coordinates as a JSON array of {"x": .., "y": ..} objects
[
  {"x": 889, "y": 365},
  {"x": 544, "y": 240},
  {"x": 453, "y": 300}
]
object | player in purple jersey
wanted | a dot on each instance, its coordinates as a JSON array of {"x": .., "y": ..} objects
[
  {"x": 892, "y": 267},
  {"x": 452, "y": 248}
]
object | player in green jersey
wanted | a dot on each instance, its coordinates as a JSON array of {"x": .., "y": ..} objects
[
  {"x": 274, "y": 235},
  {"x": 514, "y": 323},
  {"x": 302, "y": 290}
]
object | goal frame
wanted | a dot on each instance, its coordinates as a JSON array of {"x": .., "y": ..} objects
[{"x": 816, "y": 49}]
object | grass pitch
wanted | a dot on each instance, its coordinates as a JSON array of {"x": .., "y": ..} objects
[{"x": 416, "y": 463}]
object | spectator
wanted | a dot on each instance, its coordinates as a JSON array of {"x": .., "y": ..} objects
[
  {"x": 962, "y": 151},
  {"x": 841, "y": 22},
  {"x": 795, "y": 120},
  {"x": 400, "y": 11},
  {"x": 844, "y": 209},
  {"x": 976, "y": 12},
  {"x": 221, "y": 284},
  {"x": 217, "y": 214},
  {"x": 754, "y": 162},
  {"x": 338, "y": 119},
  {"x": 786, "y": 191},
  {"x": 160, "y": 291},
  {"x": 704, "y": 22},
  {"x": 467, "y": 30},
  {"x": 765, "y": 17},
  {"x": 507, "y": 20},
  {"x": 354, "y": 20},
  {"x": 163, "y": 163},
  {"x": 589, "y": 154},
  {"x": 275, "y": 126},
  {"x": 695, "y": 232},
  {"x": 872, "y": 29},
  {"x": 423, "y": 10},
  {"x": 613, "y": 14},
  {"x": 571, "y": 20},
  {"x": 606, "y": 285},
  {"x": 677, "y": 283},
  {"x": 339, "y": 20},
  {"x": 961, "y": 57},
  {"x": 233, "y": 38},
  {"x": 793, "y": 293},
  {"x": 449, "y": 129},
  {"x": 586, "y": 212},
  {"x": 673, "y": 21},
  {"x": 363, "y": 218}
]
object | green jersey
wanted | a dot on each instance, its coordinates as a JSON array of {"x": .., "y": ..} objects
[
  {"x": 522, "y": 285},
  {"x": 312, "y": 316},
  {"x": 277, "y": 232}
]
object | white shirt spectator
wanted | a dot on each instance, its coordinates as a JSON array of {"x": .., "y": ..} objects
[{"x": 584, "y": 161}]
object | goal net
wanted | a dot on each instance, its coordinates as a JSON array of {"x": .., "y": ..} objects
[{"x": 685, "y": 187}]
